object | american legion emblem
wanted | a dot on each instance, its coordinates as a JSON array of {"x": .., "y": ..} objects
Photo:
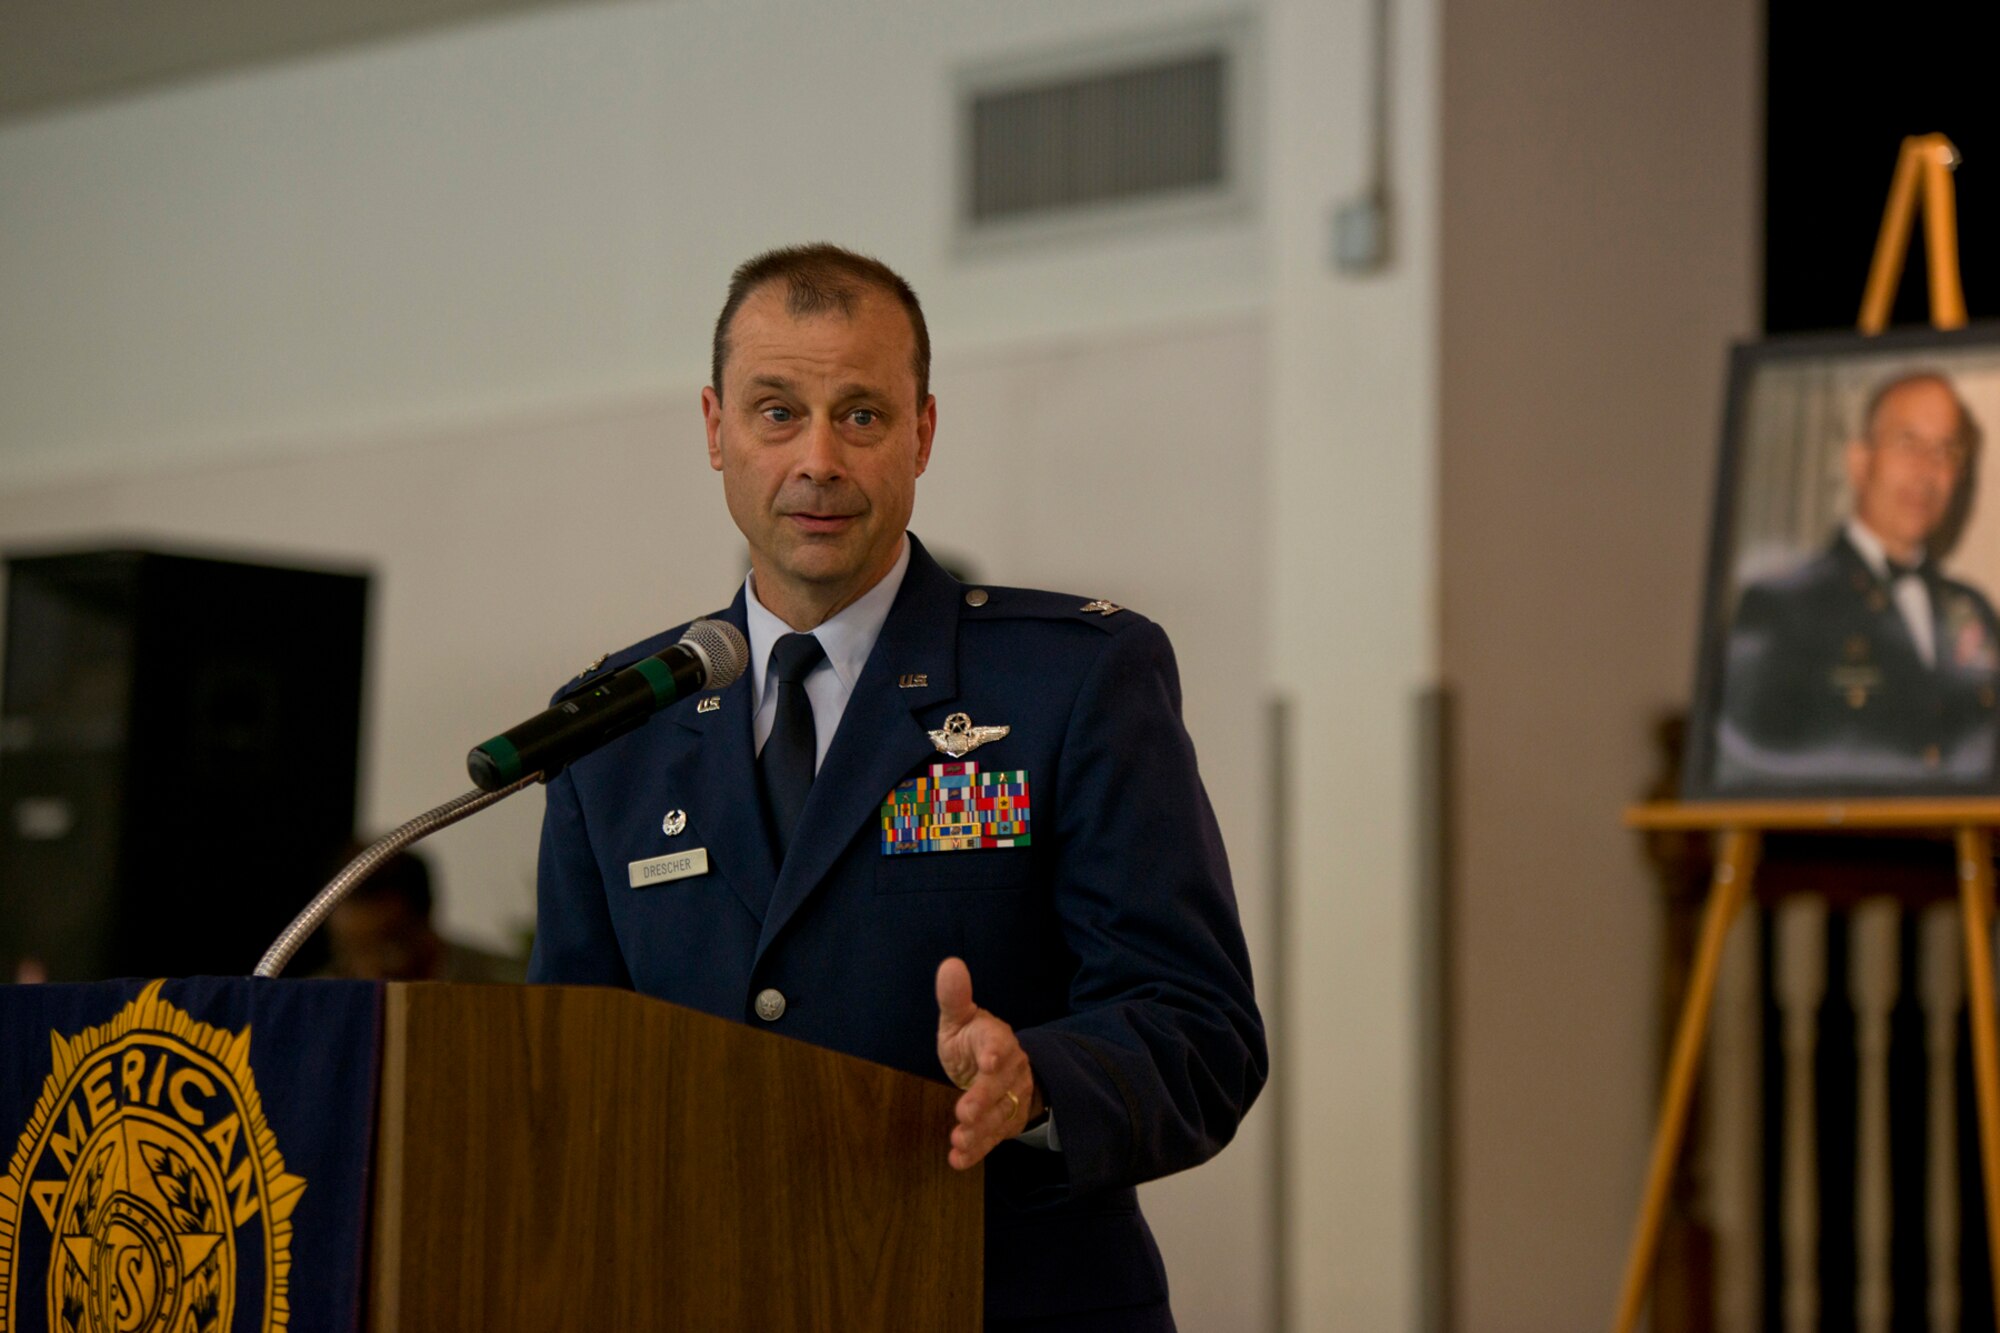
[
  {"x": 145, "y": 1178},
  {"x": 957, "y": 808}
]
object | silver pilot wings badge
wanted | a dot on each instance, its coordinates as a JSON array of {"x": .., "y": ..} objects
[{"x": 960, "y": 738}]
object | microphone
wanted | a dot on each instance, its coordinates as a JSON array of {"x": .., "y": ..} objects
[{"x": 711, "y": 655}]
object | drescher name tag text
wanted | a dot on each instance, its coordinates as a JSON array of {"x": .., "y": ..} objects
[{"x": 661, "y": 869}]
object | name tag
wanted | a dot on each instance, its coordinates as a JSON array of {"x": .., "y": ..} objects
[{"x": 661, "y": 869}]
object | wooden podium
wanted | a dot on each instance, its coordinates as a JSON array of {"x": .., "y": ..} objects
[
  {"x": 338, "y": 1154},
  {"x": 561, "y": 1157}
]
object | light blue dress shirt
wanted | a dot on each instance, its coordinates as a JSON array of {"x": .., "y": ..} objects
[{"x": 847, "y": 637}]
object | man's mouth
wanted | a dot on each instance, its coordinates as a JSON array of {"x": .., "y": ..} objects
[{"x": 821, "y": 523}]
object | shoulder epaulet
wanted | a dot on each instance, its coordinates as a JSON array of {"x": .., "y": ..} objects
[{"x": 989, "y": 603}]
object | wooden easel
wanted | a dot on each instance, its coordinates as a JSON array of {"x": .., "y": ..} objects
[
  {"x": 1931, "y": 158},
  {"x": 1927, "y": 159}
]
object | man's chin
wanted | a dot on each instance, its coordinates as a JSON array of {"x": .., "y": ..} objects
[
  {"x": 823, "y": 565},
  {"x": 1916, "y": 538}
]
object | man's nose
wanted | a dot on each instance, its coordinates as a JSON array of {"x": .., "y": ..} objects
[
  {"x": 821, "y": 461},
  {"x": 1939, "y": 474}
]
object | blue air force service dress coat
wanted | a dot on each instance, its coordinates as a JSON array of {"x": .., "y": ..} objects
[
  {"x": 1823, "y": 682},
  {"x": 1106, "y": 933}
]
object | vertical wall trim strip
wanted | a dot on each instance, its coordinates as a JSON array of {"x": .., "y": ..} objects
[
  {"x": 1433, "y": 970},
  {"x": 1275, "y": 1001}
]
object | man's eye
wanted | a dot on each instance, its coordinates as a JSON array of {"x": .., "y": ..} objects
[
  {"x": 778, "y": 414},
  {"x": 864, "y": 416}
]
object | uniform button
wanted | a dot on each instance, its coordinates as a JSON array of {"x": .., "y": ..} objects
[
  {"x": 976, "y": 597},
  {"x": 770, "y": 1004}
]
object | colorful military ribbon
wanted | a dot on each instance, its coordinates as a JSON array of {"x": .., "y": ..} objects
[{"x": 957, "y": 808}]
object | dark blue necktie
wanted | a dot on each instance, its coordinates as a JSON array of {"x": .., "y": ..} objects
[{"x": 786, "y": 764}]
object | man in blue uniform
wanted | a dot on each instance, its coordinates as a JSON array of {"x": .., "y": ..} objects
[
  {"x": 918, "y": 784},
  {"x": 1866, "y": 665}
]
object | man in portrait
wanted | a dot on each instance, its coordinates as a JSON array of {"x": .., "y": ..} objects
[{"x": 1867, "y": 664}]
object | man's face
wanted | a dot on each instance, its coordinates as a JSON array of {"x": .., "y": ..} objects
[
  {"x": 1903, "y": 474},
  {"x": 382, "y": 939},
  {"x": 820, "y": 440}
]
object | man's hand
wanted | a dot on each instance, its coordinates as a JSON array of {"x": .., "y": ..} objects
[{"x": 980, "y": 1054}]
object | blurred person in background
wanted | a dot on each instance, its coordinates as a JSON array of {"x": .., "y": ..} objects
[{"x": 383, "y": 931}]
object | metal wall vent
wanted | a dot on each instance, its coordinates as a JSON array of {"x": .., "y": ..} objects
[{"x": 1126, "y": 135}]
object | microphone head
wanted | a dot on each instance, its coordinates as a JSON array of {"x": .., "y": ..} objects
[{"x": 721, "y": 646}]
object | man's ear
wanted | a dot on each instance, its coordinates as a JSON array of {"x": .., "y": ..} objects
[
  {"x": 711, "y": 416},
  {"x": 926, "y": 432}
]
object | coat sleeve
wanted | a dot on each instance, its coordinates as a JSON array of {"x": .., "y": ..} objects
[
  {"x": 1766, "y": 683},
  {"x": 1163, "y": 1049},
  {"x": 574, "y": 942}
]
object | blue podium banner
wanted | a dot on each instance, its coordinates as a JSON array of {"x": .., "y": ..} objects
[{"x": 186, "y": 1156}]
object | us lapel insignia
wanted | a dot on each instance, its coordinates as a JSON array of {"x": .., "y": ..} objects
[
  {"x": 915, "y": 680},
  {"x": 709, "y": 705},
  {"x": 1102, "y": 608},
  {"x": 593, "y": 666},
  {"x": 960, "y": 738},
  {"x": 957, "y": 808}
]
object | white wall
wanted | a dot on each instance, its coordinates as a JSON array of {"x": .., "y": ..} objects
[
  {"x": 524, "y": 214},
  {"x": 1352, "y": 587},
  {"x": 402, "y": 303}
]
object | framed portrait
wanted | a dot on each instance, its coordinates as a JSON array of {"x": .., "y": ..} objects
[{"x": 1849, "y": 642}]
